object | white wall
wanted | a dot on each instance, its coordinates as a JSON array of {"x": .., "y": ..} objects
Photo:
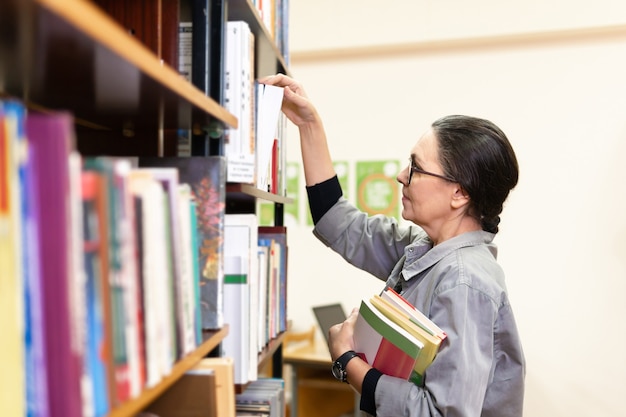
[{"x": 561, "y": 101}]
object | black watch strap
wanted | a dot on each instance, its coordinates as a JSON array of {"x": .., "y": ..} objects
[{"x": 339, "y": 366}]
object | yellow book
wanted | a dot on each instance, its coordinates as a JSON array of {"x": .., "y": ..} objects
[
  {"x": 403, "y": 319},
  {"x": 420, "y": 318},
  {"x": 12, "y": 390}
]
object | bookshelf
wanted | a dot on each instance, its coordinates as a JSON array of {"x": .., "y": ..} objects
[
  {"x": 134, "y": 406},
  {"x": 71, "y": 55},
  {"x": 270, "y": 60}
]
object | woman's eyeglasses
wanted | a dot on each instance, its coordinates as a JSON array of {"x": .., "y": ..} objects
[{"x": 414, "y": 168}]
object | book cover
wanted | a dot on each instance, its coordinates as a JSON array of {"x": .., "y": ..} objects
[
  {"x": 207, "y": 178},
  {"x": 420, "y": 318},
  {"x": 263, "y": 255},
  {"x": 240, "y": 298},
  {"x": 34, "y": 330},
  {"x": 129, "y": 274},
  {"x": 96, "y": 353},
  {"x": 168, "y": 177},
  {"x": 239, "y": 144},
  {"x": 155, "y": 285},
  {"x": 431, "y": 342},
  {"x": 187, "y": 298},
  {"x": 51, "y": 138},
  {"x": 12, "y": 394},
  {"x": 266, "y": 396},
  {"x": 279, "y": 235},
  {"x": 137, "y": 228},
  {"x": 117, "y": 278},
  {"x": 98, "y": 244},
  {"x": 268, "y": 101},
  {"x": 78, "y": 277},
  {"x": 195, "y": 269},
  {"x": 270, "y": 296},
  {"x": 385, "y": 345},
  {"x": 267, "y": 296}
]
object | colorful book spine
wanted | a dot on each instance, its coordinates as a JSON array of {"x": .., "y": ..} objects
[
  {"x": 156, "y": 288},
  {"x": 195, "y": 264},
  {"x": 240, "y": 286},
  {"x": 35, "y": 364},
  {"x": 12, "y": 391},
  {"x": 279, "y": 235},
  {"x": 95, "y": 362},
  {"x": 207, "y": 178},
  {"x": 50, "y": 136},
  {"x": 113, "y": 277}
]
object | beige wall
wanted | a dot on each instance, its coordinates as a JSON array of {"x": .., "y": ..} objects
[{"x": 553, "y": 77}]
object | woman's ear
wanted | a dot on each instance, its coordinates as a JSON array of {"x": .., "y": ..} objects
[{"x": 460, "y": 197}]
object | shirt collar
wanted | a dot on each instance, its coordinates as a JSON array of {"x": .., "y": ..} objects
[{"x": 421, "y": 254}]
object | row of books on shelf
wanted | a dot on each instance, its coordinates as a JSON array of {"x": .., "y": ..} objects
[
  {"x": 219, "y": 57},
  {"x": 255, "y": 150},
  {"x": 255, "y": 290},
  {"x": 275, "y": 16},
  {"x": 112, "y": 267}
]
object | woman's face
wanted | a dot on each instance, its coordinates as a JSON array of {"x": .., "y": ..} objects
[{"x": 426, "y": 199}]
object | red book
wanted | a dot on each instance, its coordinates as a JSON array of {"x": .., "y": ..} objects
[
  {"x": 385, "y": 345},
  {"x": 274, "y": 168}
]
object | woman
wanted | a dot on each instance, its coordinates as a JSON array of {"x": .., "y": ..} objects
[{"x": 460, "y": 173}]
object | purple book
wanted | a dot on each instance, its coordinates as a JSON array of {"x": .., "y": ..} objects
[{"x": 50, "y": 136}]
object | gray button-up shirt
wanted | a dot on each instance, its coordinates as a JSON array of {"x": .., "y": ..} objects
[{"x": 480, "y": 367}]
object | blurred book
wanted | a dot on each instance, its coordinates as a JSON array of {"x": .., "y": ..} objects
[{"x": 207, "y": 178}]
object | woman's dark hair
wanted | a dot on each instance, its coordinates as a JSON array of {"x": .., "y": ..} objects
[{"x": 480, "y": 157}]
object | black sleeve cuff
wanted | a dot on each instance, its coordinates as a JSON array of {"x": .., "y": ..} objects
[
  {"x": 323, "y": 196},
  {"x": 368, "y": 391}
]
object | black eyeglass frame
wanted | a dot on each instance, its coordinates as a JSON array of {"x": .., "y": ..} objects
[{"x": 414, "y": 168}]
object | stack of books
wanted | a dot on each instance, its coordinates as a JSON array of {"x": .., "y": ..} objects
[{"x": 395, "y": 337}]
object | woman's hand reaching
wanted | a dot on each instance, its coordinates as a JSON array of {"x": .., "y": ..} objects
[
  {"x": 296, "y": 105},
  {"x": 318, "y": 165}
]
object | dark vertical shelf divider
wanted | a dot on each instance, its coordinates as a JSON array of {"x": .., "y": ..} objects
[{"x": 209, "y": 23}]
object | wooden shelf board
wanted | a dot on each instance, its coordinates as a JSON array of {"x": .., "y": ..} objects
[
  {"x": 242, "y": 192},
  {"x": 136, "y": 405},
  {"x": 69, "y": 54}
]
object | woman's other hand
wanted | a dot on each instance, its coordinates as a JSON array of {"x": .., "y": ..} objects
[{"x": 340, "y": 336}]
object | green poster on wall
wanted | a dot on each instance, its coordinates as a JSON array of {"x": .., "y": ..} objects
[
  {"x": 292, "y": 185},
  {"x": 377, "y": 188}
]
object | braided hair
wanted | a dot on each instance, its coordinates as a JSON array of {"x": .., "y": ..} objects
[{"x": 480, "y": 157}]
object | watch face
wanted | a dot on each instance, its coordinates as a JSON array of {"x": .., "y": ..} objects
[{"x": 338, "y": 371}]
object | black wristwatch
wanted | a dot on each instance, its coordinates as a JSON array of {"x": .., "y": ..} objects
[{"x": 339, "y": 366}]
